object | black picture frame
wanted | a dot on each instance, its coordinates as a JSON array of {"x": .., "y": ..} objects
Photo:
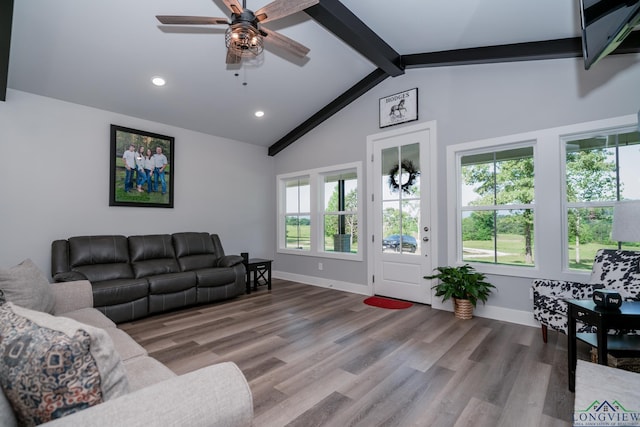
[
  {"x": 141, "y": 191},
  {"x": 401, "y": 107}
]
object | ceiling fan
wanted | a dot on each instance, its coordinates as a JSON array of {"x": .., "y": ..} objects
[{"x": 245, "y": 35}]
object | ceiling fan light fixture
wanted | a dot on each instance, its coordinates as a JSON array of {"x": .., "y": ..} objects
[{"x": 243, "y": 40}]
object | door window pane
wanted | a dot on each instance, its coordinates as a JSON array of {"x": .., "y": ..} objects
[{"x": 401, "y": 199}]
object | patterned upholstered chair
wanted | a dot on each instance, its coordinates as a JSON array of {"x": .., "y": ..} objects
[{"x": 612, "y": 269}]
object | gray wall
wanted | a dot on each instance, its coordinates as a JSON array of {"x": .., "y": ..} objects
[
  {"x": 54, "y": 182},
  {"x": 468, "y": 103}
]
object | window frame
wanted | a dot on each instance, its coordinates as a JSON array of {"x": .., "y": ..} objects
[
  {"x": 298, "y": 213},
  {"x": 549, "y": 198},
  {"x": 566, "y": 205},
  {"x": 317, "y": 214},
  {"x": 487, "y": 148}
]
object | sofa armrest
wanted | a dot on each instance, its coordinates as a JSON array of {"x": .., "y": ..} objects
[
  {"x": 229, "y": 260},
  {"x": 70, "y": 296},
  {"x": 562, "y": 289},
  {"x": 217, "y": 395}
]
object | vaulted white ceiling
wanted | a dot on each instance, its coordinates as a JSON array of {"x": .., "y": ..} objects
[{"x": 104, "y": 54}]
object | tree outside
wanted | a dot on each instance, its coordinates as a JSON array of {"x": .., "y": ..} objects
[
  {"x": 494, "y": 233},
  {"x": 350, "y": 221},
  {"x": 590, "y": 177}
]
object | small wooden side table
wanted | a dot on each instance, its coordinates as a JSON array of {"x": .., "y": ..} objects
[{"x": 261, "y": 269}]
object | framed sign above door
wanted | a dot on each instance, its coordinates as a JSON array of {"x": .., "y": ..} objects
[{"x": 399, "y": 108}]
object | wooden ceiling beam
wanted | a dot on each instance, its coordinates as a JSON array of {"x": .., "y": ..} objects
[
  {"x": 335, "y": 17},
  {"x": 530, "y": 51},
  {"x": 355, "y": 92}
]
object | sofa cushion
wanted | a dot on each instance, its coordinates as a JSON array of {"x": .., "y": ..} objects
[
  {"x": 194, "y": 251},
  {"x": 100, "y": 258},
  {"x": 113, "y": 292},
  {"x": 90, "y": 316},
  {"x": 127, "y": 311},
  {"x": 144, "y": 371},
  {"x": 209, "y": 277},
  {"x": 25, "y": 285},
  {"x": 152, "y": 255},
  {"x": 150, "y": 247},
  {"x": 169, "y": 283},
  {"x": 124, "y": 345},
  {"x": 53, "y": 366},
  {"x": 87, "y": 250}
]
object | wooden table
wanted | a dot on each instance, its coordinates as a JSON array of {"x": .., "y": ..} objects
[
  {"x": 261, "y": 269},
  {"x": 626, "y": 317}
]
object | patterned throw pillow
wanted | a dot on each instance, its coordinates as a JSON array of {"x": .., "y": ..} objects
[
  {"x": 53, "y": 366},
  {"x": 25, "y": 285}
]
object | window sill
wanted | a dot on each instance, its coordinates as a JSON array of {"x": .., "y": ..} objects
[{"x": 318, "y": 254}]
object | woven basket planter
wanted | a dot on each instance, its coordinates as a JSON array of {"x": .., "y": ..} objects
[{"x": 462, "y": 308}]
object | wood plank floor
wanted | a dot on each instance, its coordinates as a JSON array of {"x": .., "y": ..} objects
[{"x": 320, "y": 357}]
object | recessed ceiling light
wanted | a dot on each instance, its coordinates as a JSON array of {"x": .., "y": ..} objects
[
  {"x": 259, "y": 113},
  {"x": 158, "y": 81}
]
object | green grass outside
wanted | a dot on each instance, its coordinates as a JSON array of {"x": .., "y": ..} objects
[
  {"x": 303, "y": 240},
  {"x": 513, "y": 245},
  {"x": 134, "y": 195},
  {"x": 510, "y": 250},
  {"x": 510, "y": 244},
  {"x": 299, "y": 237}
]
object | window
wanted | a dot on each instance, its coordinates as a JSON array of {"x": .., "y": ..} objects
[
  {"x": 297, "y": 214},
  {"x": 540, "y": 203},
  {"x": 496, "y": 211},
  {"x": 599, "y": 170},
  {"x": 341, "y": 212},
  {"x": 319, "y": 212}
]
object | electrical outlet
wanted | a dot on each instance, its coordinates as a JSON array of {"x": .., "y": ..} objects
[{"x": 320, "y": 266}]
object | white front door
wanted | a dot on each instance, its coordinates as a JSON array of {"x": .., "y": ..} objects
[{"x": 402, "y": 214}]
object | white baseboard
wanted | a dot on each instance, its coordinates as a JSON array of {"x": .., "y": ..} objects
[
  {"x": 507, "y": 314},
  {"x": 519, "y": 317},
  {"x": 354, "y": 288}
]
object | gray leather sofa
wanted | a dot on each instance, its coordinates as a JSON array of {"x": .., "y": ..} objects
[{"x": 135, "y": 276}]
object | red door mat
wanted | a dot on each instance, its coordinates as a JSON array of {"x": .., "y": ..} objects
[{"x": 389, "y": 303}]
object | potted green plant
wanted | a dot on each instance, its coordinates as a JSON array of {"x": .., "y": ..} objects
[{"x": 464, "y": 285}]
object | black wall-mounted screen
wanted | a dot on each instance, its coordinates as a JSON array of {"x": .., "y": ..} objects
[
  {"x": 605, "y": 24},
  {"x": 6, "y": 16}
]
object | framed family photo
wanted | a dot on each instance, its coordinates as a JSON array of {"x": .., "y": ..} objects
[
  {"x": 141, "y": 172},
  {"x": 399, "y": 108}
]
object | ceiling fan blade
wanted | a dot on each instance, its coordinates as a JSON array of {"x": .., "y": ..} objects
[
  {"x": 285, "y": 42},
  {"x": 232, "y": 58},
  {"x": 234, "y": 6},
  {"x": 281, "y": 8},
  {"x": 191, "y": 20}
]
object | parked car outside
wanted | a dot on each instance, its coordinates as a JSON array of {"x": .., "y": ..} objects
[{"x": 409, "y": 243}]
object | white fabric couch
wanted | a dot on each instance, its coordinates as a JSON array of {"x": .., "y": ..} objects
[{"x": 217, "y": 395}]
